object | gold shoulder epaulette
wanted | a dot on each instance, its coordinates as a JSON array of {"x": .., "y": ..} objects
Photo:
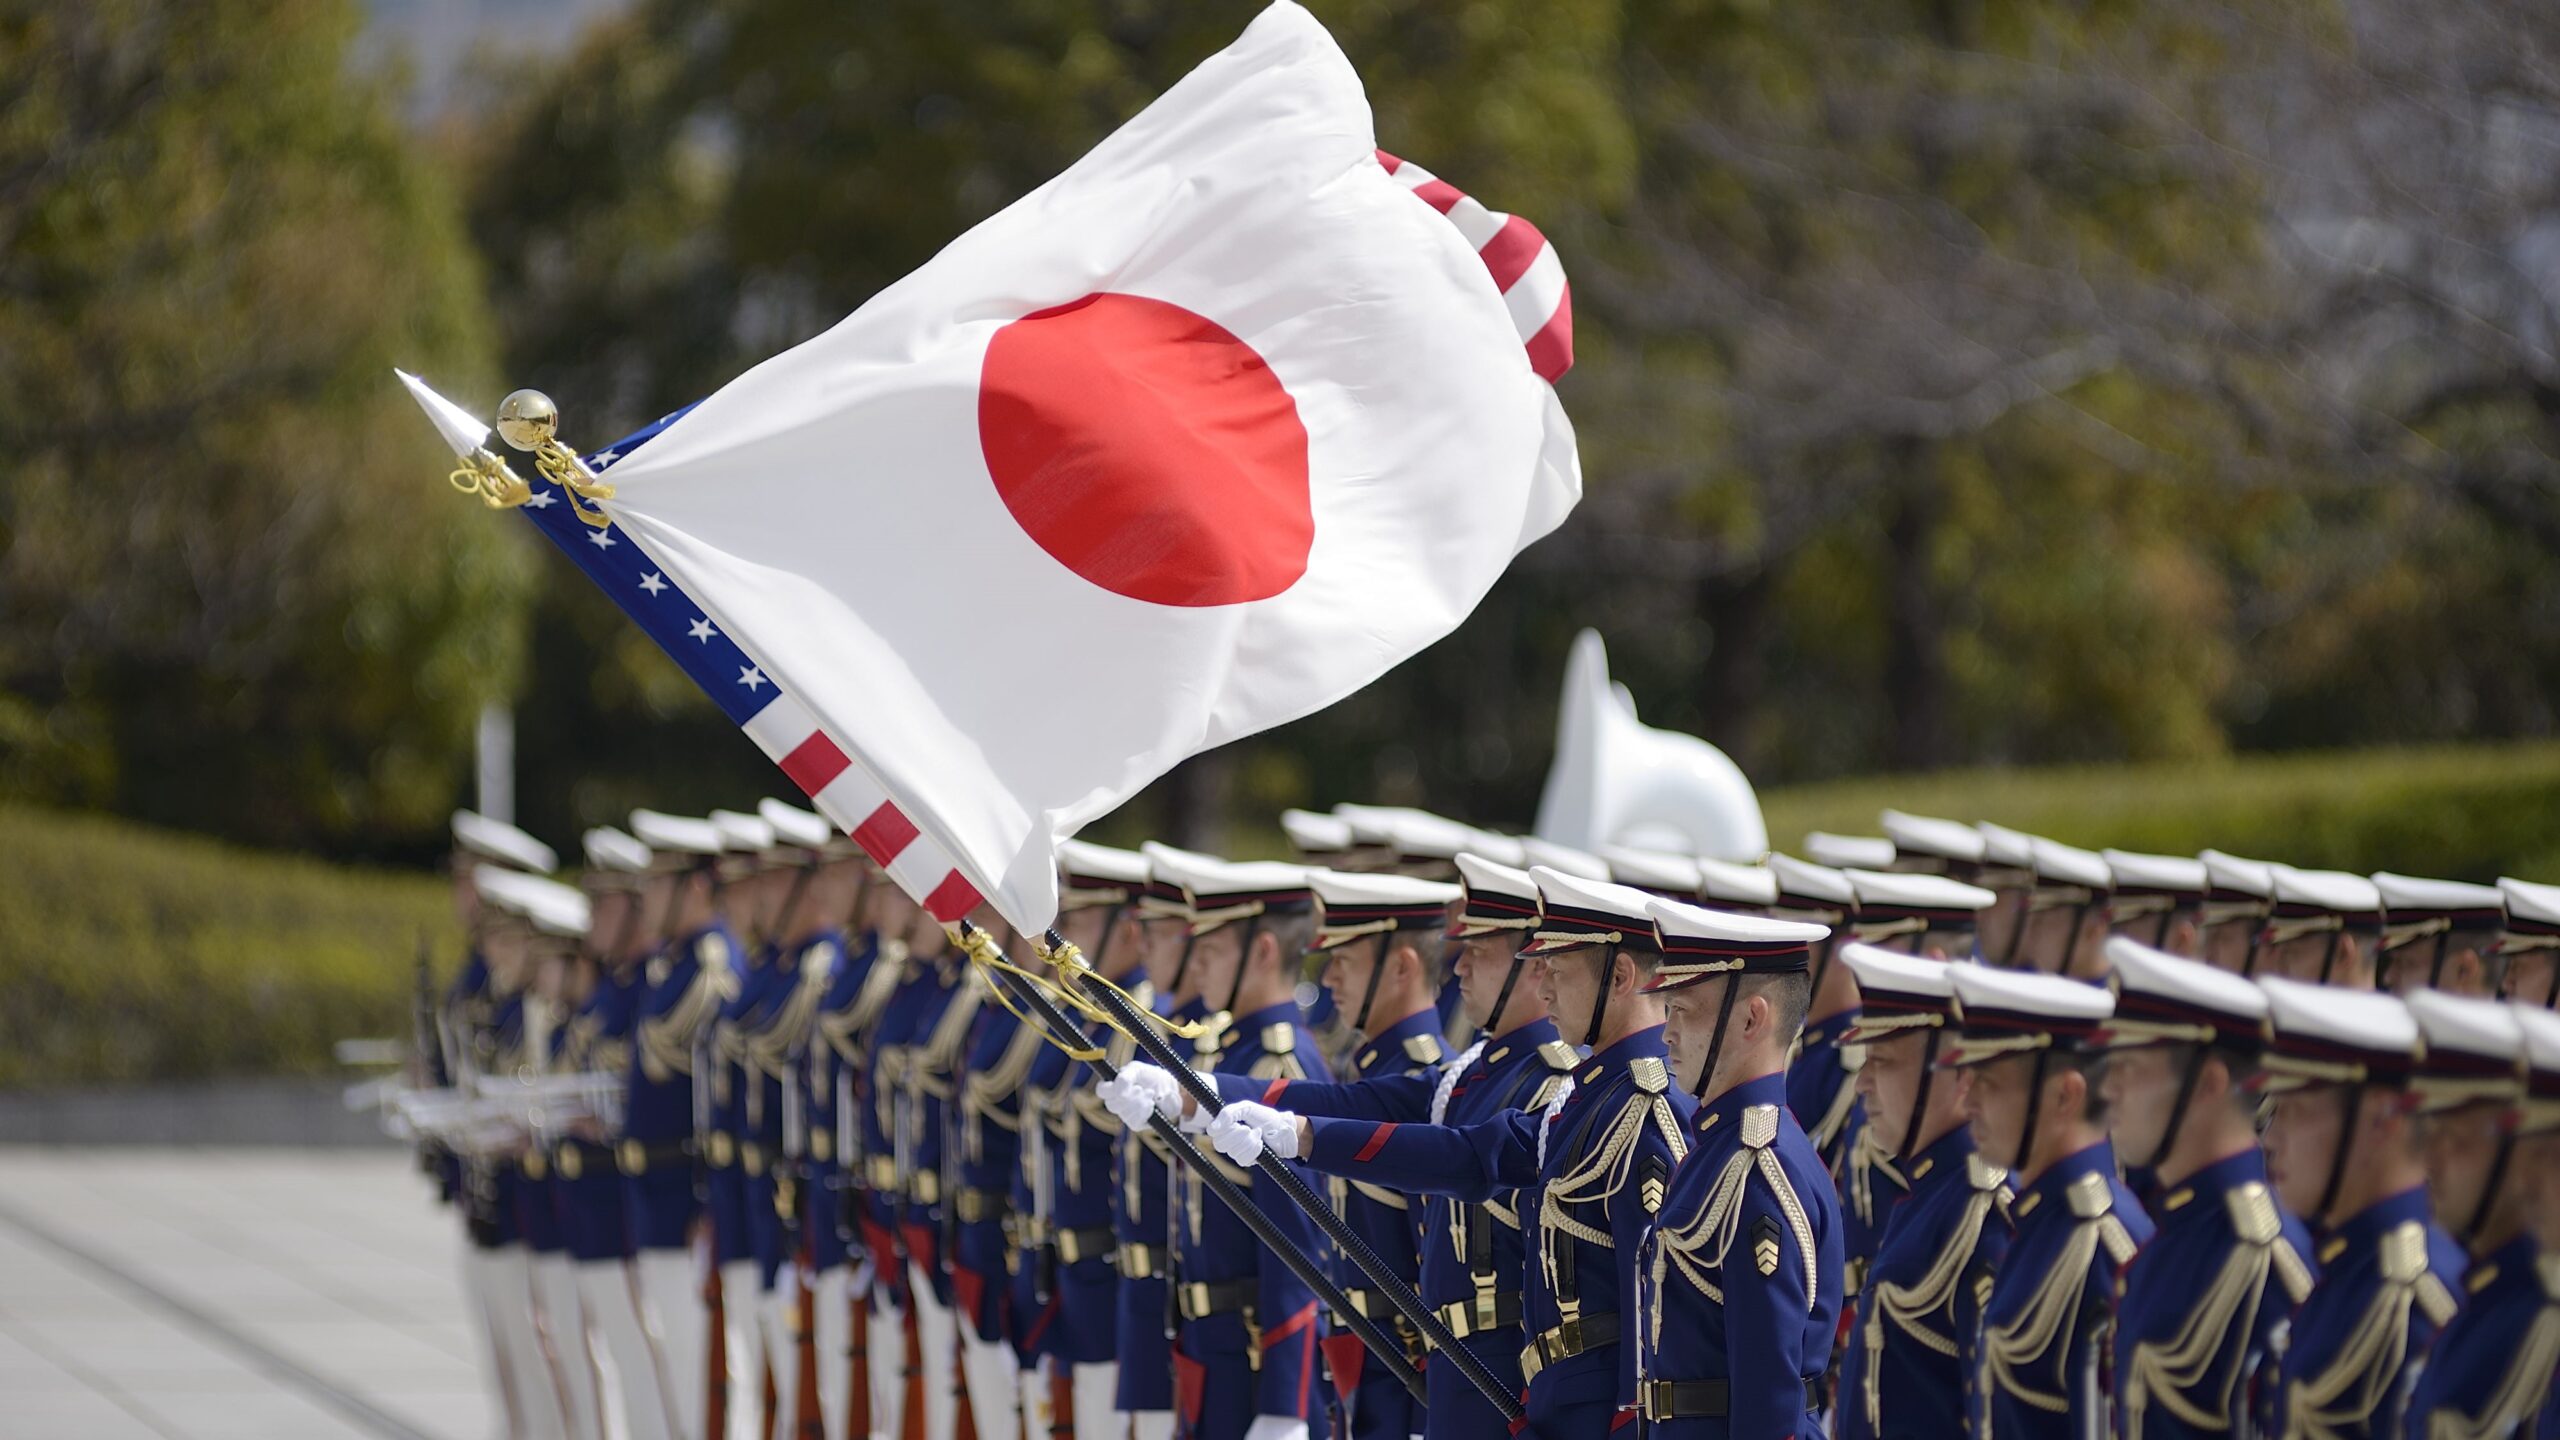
[
  {"x": 1423, "y": 1049},
  {"x": 821, "y": 956},
  {"x": 712, "y": 948},
  {"x": 2117, "y": 1239},
  {"x": 1650, "y": 1074},
  {"x": 1279, "y": 1038},
  {"x": 2403, "y": 1253},
  {"x": 1558, "y": 1055},
  {"x": 1983, "y": 1175},
  {"x": 1759, "y": 1126},
  {"x": 2090, "y": 1196},
  {"x": 2253, "y": 1214}
]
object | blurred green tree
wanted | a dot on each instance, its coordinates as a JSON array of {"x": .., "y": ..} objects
[{"x": 230, "y": 602}]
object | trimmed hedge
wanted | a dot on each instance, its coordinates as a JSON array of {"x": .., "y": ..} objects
[
  {"x": 2453, "y": 813},
  {"x": 131, "y": 954}
]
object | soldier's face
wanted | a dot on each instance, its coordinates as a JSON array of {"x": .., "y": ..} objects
[
  {"x": 1689, "y": 1025},
  {"x": 607, "y": 912},
  {"x": 1889, "y": 1082},
  {"x": 1164, "y": 941},
  {"x": 1346, "y": 973},
  {"x": 2303, "y": 957},
  {"x": 2459, "y": 1146},
  {"x": 2529, "y": 976},
  {"x": 1215, "y": 959},
  {"x": 1996, "y": 1109},
  {"x": 2302, "y": 1144},
  {"x": 2225, "y": 944},
  {"x": 2000, "y": 923},
  {"x": 1571, "y": 982},
  {"x": 1483, "y": 963},
  {"x": 2140, "y": 1087}
]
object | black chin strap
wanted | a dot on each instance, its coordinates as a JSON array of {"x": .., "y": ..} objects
[
  {"x": 1600, "y": 1002},
  {"x": 1715, "y": 1038},
  {"x": 1502, "y": 997},
  {"x": 1182, "y": 966},
  {"x": 1822, "y": 960},
  {"x": 2257, "y": 946},
  {"x": 2178, "y": 1108},
  {"x": 2329, "y": 956},
  {"x": 1920, "y": 1098},
  {"x": 2351, "y": 1105},
  {"x": 1377, "y": 973},
  {"x": 2489, "y": 1192},
  {"x": 1244, "y": 961},
  {"x": 2017, "y": 932},
  {"x": 791, "y": 898},
  {"x": 2435, "y": 972},
  {"x": 2035, "y": 1105},
  {"x": 2160, "y": 937}
]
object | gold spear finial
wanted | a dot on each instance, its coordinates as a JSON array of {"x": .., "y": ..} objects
[{"x": 528, "y": 421}]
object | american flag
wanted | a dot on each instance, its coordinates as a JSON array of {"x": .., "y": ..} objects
[{"x": 779, "y": 725}]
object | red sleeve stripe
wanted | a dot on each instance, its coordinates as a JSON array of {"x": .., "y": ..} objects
[
  {"x": 1377, "y": 1142},
  {"x": 1271, "y": 1093}
]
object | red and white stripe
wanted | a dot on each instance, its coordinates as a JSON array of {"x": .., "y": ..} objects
[
  {"x": 846, "y": 794},
  {"x": 1524, "y": 266}
]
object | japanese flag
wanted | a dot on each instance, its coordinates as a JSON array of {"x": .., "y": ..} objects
[{"x": 1202, "y": 435}]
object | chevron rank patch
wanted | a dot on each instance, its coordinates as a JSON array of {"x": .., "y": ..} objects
[
  {"x": 1656, "y": 1178},
  {"x": 1765, "y": 1246}
]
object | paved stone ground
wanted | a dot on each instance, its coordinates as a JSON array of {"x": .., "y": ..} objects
[{"x": 230, "y": 1294}]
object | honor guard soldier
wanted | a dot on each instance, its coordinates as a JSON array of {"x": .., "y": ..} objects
[
  {"x": 468, "y": 1008},
  {"x": 735, "y": 1142},
  {"x": 2321, "y": 928},
  {"x": 1142, "y": 1180},
  {"x": 1911, "y": 1346},
  {"x": 2529, "y": 950},
  {"x": 2233, "y": 919},
  {"x": 1593, "y": 1163},
  {"x": 2067, "y": 912},
  {"x": 682, "y": 989},
  {"x": 849, "y": 1012},
  {"x": 1822, "y": 1090},
  {"x": 1070, "y": 1245},
  {"x": 1737, "y": 1300},
  {"x": 529, "y": 1265},
  {"x": 1245, "y": 1356},
  {"x": 1912, "y": 914},
  {"x": 2437, "y": 934},
  {"x": 2159, "y": 899},
  {"x": 2489, "y": 1372},
  {"x": 995, "y": 1336},
  {"x": 2342, "y": 1152},
  {"x": 1471, "y": 1253},
  {"x": 597, "y": 1041},
  {"x": 2202, "y": 1302},
  {"x": 804, "y": 928},
  {"x": 921, "y": 1031},
  {"x": 560, "y": 916},
  {"x": 2035, "y": 1108}
]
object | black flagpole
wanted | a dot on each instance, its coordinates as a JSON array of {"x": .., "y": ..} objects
[
  {"x": 1381, "y": 1276},
  {"x": 1304, "y": 1266}
]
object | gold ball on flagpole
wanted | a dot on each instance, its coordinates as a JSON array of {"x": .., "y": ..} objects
[{"x": 527, "y": 419}]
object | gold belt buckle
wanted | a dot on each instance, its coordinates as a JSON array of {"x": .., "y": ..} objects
[
  {"x": 536, "y": 1164},
  {"x": 568, "y": 1163},
  {"x": 633, "y": 1157},
  {"x": 1485, "y": 1306},
  {"x": 723, "y": 1149}
]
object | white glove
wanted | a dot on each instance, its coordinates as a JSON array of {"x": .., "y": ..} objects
[
  {"x": 1277, "y": 1427},
  {"x": 1246, "y": 1128},
  {"x": 1141, "y": 1090}
]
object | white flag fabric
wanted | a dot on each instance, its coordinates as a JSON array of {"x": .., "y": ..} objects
[{"x": 1201, "y": 436}]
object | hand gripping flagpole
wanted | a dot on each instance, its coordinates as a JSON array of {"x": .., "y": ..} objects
[
  {"x": 981, "y": 949},
  {"x": 1138, "y": 1025}
]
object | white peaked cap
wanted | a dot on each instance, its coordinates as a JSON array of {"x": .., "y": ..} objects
[
  {"x": 1564, "y": 858},
  {"x": 1800, "y": 880},
  {"x": 2335, "y": 892},
  {"x": 2057, "y": 863},
  {"x": 1723, "y": 882},
  {"x": 2473, "y": 1050},
  {"x": 497, "y": 840},
  {"x": 1896, "y": 992},
  {"x": 2004, "y": 846},
  {"x": 1849, "y": 852},
  {"x": 1499, "y": 848},
  {"x": 1651, "y": 869},
  {"x": 2334, "y": 1035},
  {"x": 1374, "y": 824},
  {"x": 2239, "y": 876},
  {"x": 1102, "y": 862},
  {"x": 1929, "y": 835},
  {"x": 611, "y": 849},
  {"x": 1931, "y": 895},
  {"x": 2003, "y": 1012},
  {"x": 1355, "y": 905},
  {"x": 1423, "y": 836},
  {"x": 2540, "y": 1113},
  {"x": 2161, "y": 874},
  {"x": 680, "y": 834},
  {"x": 1315, "y": 834},
  {"x": 552, "y": 907},
  {"x": 2163, "y": 998},
  {"x": 792, "y": 825},
  {"x": 1498, "y": 897},
  {"x": 742, "y": 832},
  {"x": 1576, "y": 912}
]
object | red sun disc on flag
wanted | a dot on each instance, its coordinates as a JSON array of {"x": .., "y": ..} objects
[{"x": 1148, "y": 450}]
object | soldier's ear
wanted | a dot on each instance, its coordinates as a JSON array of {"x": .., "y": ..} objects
[{"x": 2182, "y": 938}]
